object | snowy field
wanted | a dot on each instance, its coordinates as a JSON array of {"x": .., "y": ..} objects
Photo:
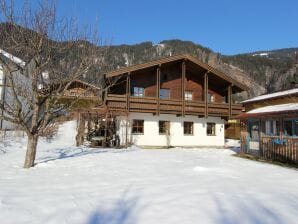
[{"x": 117, "y": 186}]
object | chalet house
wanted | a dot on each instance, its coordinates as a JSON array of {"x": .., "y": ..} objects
[
  {"x": 172, "y": 101},
  {"x": 269, "y": 128}
]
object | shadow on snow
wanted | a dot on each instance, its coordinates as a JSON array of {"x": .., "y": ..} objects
[
  {"x": 123, "y": 211},
  {"x": 71, "y": 152}
]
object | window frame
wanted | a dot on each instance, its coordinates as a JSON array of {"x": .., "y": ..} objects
[
  {"x": 213, "y": 125},
  {"x": 165, "y": 127},
  {"x": 168, "y": 91},
  {"x": 188, "y": 93},
  {"x": 211, "y": 97},
  {"x": 137, "y": 127},
  {"x": 294, "y": 122},
  {"x": 136, "y": 91},
  {"x": 269, "y": 126},
  {"x": 188, "y": 130}
]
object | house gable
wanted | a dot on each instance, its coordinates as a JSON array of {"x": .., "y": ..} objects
[{"x": 193, "y": 62}]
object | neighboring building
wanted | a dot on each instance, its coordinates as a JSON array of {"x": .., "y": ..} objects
[
  {"x": 79, "y": 94},
  {"x": 173, "y": 101},
  {"x": 5, "y": 90},
  {"x": 269, "y": 128}
]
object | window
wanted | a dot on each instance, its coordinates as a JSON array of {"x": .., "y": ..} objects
[
  {"x": 164, "y": 127},
  {"x": 271, "y": 127},
  {"x": 188, "y": 128},
  {"x": 138, "y": 91},
  {"x": 138, "y": 126},
  {"x": 164, "y": 94},
  {"x": 291, "y": 127},
  {"x": 211, "y": 97},
  {"x": 210, "y": 128},
  {"x": 188, "y": 95}
]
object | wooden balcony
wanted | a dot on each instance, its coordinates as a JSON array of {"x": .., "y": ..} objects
[{"x": 171, "y": 106}]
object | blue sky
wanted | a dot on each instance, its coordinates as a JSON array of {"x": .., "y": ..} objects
[{"x": 225, "y": 26}]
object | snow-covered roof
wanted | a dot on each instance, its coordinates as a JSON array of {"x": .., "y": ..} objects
[
  {"x": 272, "y": 95},
  {"x": 15, "y": 59},
  {"x": 275, "y": 108}
]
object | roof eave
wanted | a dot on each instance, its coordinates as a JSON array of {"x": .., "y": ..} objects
[{"x": 205, "y": 66}]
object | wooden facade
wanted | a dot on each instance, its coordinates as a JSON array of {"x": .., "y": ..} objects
[
  {"x": 270, "y": 127},
  {"x": 180, "y": 85}
]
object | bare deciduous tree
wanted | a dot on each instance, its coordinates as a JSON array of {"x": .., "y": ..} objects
[{"x": 55, "y": 53}]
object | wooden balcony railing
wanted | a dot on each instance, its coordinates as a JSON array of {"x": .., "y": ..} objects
[{"x": 170, "y": 106}]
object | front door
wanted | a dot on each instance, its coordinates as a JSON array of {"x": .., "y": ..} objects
[{"x": 253, "y": 136}]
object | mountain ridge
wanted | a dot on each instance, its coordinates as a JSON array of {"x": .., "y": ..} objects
[{"x": 261, "y": 71}]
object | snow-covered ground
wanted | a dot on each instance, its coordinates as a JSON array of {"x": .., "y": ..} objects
[{"x": 117, "y": 186}]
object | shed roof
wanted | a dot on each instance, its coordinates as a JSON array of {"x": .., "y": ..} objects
[
  {"x": 288, "y": 108},
  {"x": 272, "y": 95}
]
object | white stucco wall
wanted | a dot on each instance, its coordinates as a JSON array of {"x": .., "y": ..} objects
[{"x": 151, "y": 136}]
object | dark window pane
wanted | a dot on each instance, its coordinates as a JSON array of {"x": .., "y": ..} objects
[
  {"x": 164, "y": 127},
  {"x": 188, "y": 128},
  {"x": 210, "y": 128},
  {"x": 288, "y": 131},
  {"x": 138, "y": 126}
]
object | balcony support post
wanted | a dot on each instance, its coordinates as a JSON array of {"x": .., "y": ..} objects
[
  {"x": 158, "y": 90},
  {"x": 206, "y": 93},
  {"x": 230, "y": 101},
  {"x": 127, "y": 91},
  {"x": 183, "y": 88}
]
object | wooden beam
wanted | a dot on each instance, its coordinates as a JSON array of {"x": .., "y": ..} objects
[
  {"x": 183, "y": 88},
  {"x": 158, "y": 90},
  {"x": 230, "y": 100},
  {"x": 206, "y": 93},
  {"x": 127, "y": 92}
]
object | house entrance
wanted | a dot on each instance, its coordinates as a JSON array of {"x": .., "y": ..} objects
[{"x": 253, "y": 136}]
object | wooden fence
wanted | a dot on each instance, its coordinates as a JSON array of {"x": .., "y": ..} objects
[{"x": 285, "y": 150}]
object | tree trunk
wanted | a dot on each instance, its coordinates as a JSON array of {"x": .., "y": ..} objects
[
  {"x": 31, "y": 151},
  {"x": 80, "y": 131}
]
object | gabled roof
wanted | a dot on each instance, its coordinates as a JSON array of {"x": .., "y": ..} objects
[
  {"x": 186, "y": 57},
  {"x": 272, "y": 95}
]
